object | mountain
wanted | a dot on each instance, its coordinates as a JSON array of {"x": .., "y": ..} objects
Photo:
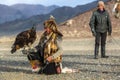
[
  {"x": 61, "y": 14},
  {"x": 30, "y": 10},
  {"x": 22, "y": 11},
  {"x": 7, "y": 13}
]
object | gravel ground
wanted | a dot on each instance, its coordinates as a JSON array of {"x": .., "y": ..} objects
[{"x": 78, "y": 54}]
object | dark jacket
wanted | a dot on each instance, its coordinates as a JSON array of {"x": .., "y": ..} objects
[{"x": 100, "y": 22}]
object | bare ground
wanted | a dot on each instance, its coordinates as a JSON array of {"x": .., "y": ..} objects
[{"x": 77, "y": 54}]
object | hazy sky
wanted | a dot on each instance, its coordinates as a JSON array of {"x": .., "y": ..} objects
[{"x": 48, "y": 2}]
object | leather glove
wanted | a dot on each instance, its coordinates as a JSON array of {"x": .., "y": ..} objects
[
  {"x": 25, "y": 51},
  {"x": 32, "y": 50}
]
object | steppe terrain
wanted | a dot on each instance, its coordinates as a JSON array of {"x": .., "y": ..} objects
[{"x": 78, "y": 54}]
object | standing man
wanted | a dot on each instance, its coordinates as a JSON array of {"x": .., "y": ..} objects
[{"x": 100, "y": 24}]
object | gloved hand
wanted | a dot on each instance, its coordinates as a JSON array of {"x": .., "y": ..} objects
[
  {"x": 32, "y": 50},
  {"x": 24, "y": 51}
]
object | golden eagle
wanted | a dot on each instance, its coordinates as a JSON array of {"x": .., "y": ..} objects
[{"x": 23, "y": 39}]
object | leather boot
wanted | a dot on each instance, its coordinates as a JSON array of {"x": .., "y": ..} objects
[
  {"x": 103, "y": 52},
  {"x": 96, "y": 52}
]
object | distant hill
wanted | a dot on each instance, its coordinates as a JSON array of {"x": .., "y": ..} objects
[
  {"x": 30, "y": 10},
  {"x": 22, "y": 11},
  {"x": 61, "y": 14},
  {"x": 8, "y": 14}
]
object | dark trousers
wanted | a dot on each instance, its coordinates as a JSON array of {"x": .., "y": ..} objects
[
  {"x": 49, "y": 69},
  {"x": 100, "y": 38}
]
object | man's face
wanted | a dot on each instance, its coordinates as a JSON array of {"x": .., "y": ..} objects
[
  {"x": 48, "y": 30},
  {"x": 101, "y": 7}
]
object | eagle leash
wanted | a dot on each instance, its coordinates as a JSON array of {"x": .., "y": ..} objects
[
  {"x": 114, "y": 40},
  {"x": 44, "y": 67}
]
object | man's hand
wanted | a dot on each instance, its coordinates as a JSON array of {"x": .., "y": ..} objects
[
  {"x": 94, "y": 34},
  {"x": 49, "y": 59}
]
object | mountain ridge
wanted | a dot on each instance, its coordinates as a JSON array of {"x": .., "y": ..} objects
[
  {"x": 61, "y": 14},
  {"x": 7, "y": 13},
  {"x": 22, "y": 11},
  {"x": 38, "y": 9}
]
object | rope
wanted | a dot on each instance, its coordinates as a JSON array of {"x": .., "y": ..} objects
[{"x": 115, "y": 41}]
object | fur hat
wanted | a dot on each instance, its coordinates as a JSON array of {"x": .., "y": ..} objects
[
  {"x": 53, "y": 26},
  {"x": 101, "y": 3},
  {"x": 50, "y": 24}
]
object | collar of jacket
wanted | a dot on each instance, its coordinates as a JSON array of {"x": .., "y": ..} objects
[{"x": 101, "y": 12}]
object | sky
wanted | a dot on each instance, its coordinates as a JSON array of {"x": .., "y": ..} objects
[{"x": 71, "y": 3}]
